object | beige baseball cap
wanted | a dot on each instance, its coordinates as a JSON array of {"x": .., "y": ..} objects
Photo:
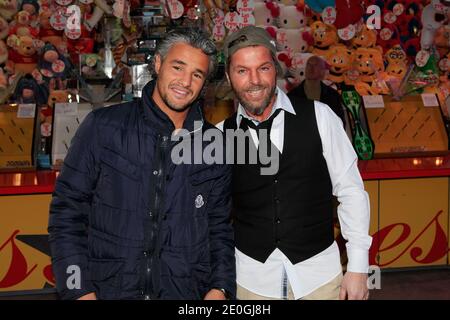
[{"x": 250, "y": 36}]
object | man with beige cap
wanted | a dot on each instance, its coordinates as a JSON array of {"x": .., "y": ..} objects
[{"x": 283, "y": 223}]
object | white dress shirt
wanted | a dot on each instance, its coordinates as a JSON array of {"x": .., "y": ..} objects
[{"x": 267, "y": 279}]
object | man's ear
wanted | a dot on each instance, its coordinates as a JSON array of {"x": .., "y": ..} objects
[{"x": 157, "y": 63}]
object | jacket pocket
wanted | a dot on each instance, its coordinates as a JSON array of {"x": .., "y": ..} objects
[
  {"x": 201, "y": 183},
  {"x": 106, "y": 277},
  {"x": 120, "y": 181}
]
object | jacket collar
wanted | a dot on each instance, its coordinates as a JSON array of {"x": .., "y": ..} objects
[{"x": 159, "y": 120}]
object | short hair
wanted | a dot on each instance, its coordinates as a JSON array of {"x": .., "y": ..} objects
[{"x": 193, "y": 37}]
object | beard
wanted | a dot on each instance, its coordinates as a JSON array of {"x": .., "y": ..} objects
[{"x": 254, "y": 107}]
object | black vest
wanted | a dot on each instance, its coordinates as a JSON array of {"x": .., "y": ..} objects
[{"x": 291, "y": 210}]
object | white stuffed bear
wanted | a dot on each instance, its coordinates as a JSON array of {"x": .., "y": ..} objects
[{"x": 432, "y": 19}]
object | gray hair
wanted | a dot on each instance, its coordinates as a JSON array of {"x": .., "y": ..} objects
[{"x": 193, "y": 37}]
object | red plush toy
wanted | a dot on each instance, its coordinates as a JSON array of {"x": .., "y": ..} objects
[
  {"x": 388, "y": 36},
  {"x": 348, "y": 12}
]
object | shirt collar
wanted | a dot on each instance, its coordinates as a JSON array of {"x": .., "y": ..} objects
[{"x": 282, "y": 102}]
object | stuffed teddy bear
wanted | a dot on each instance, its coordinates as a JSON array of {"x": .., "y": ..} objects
[
  {"x": 8, "y": 8},
  {"x": 46, "y": 32},
  {"x": 21, "y": 26},
  {"x": 324, "y": 37},
  {"x": 23, "y": 53},
  {"x": 57, "y": 96},
  {"x": 339, "y": 59},
  {"x": 53, "y": 66},
  {"x": 432, "y": 20}
]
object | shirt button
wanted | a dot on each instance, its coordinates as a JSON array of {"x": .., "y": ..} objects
[
  {"x": 155, "y": 172},
  {"x": 278, "y": 221},
  {"x": 147, "y": 297},
  {"x": 150, "y": 214},
  {"x": 165, "y": 138},
  {"x": 275, "y": 181}
]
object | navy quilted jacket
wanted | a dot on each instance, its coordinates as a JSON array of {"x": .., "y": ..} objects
[{"x": 134, "y": 224}]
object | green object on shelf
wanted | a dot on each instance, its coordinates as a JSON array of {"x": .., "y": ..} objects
[{"x": 361, "y": 140}]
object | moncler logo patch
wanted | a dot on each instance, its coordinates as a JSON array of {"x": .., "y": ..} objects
[{"x": 199, "y": 201}]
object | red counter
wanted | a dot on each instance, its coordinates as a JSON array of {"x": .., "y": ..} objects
[
  {"x": 400, "y": 168},
  {"x": 27, "y": 182}
]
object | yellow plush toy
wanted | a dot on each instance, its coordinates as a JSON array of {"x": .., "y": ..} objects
[
  {"x": 366, "y": 38},
  {"x": 339, "y": 58},
  {"x": 324, "y": 37},
  {"x": 370, "y": 66}
]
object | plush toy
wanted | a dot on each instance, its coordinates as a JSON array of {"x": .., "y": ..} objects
[
  {"x": 412, "y": 47},
  {"x": 22, "y": 25},
  {"x": 397, "y": 69},
  {"x": 294, "y": 40},
  {"x": 8, "y": 8},
  {"x": 29, "y": 91},
  {"x": 348, "y": 12},
  {"x": 432, "y": 20},
  {"x": 298, "y": 66},
  {"x": 366, "y": 38},
  {"x": 396, "y": 55},
  {"x": 266, "y": 13},
  {"x": 397, "y": 66},
  {"x": 388, "y": 36},
  {"x": 369, "y": 61},
  {"x": 53, "y": 66},
  {"x": 46, "y": 32},
  {"x": 4, "y": 28},
  {"x": 32, "y": 7},
  {"x": 100, "y": 9},
  {"x": 291, "y": 17},
  {"x": 370, "y": 66},
  {"x": 57, "y": 96},
  {"x": 339, "y": 59},
  {"x": 442, "y": 40},
  {"x": 324, "y": 37},
  {"x": 22, "y": 55}
]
